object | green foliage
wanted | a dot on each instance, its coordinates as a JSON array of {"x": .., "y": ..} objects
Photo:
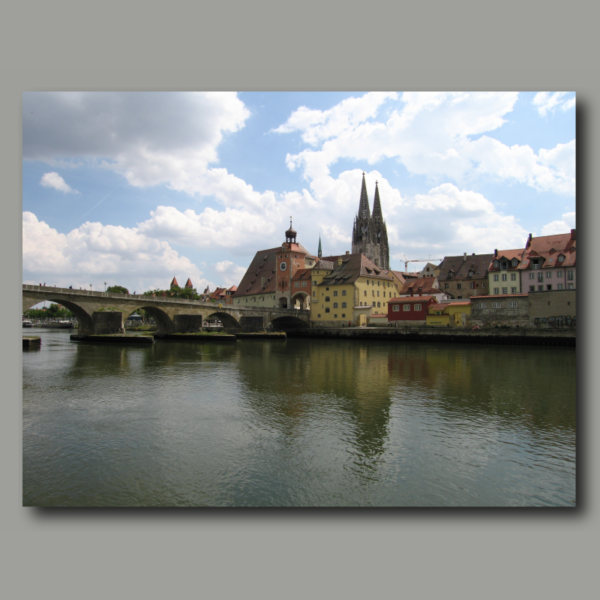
[
  {"x": 54, "y": 311},
  {"x": 117, "y": 289},
  {"x": 110, "y": 309}
]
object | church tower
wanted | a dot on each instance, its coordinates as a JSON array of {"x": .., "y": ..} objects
[{"x": 369, "y": 234}]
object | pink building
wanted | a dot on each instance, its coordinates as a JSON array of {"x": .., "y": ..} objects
[{"x": 549, "y": 263}]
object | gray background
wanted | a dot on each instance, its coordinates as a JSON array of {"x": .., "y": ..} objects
[{"x": 283, "y": 46}]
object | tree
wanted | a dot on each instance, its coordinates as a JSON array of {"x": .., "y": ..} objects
[{"x": 117, "y": 289}]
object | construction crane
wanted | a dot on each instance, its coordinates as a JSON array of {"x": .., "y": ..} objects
[{"x": 406, "y": 261}]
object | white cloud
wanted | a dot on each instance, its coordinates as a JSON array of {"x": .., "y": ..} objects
[
  {"x": 230, "y": 273},
  {"x": 95, "y": 253},
  {"x": 563, "y": 225},
  {"x": 549, "y": 101},
  {"x": 54, "y": 180},
  {"x": 439, "y": 135},
  {"x": 150, "y": 138}
]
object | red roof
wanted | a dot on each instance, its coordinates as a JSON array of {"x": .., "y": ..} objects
[
  {"x": 425, "y": 283},
  {"x": 189, "y": 283},
  {"x": 412, "y": 299},
  {"x": 174, "y": 282}
]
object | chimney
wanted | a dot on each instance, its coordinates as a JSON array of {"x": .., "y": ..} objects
[
  {"x": 573, "y": 236},
  {"x": 496, "y": 253},
  {"x": 347, "y": 251},
  {"x": 529, "y": 241},
  {"x": 412, "y": 292},
  {"x": 420, "y": 291},
  {"x": 465, "y": 257},
  {"x": 339, "y": 261}
]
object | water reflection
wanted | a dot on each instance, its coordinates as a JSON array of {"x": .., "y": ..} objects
[{"x": 298, "y": 422}]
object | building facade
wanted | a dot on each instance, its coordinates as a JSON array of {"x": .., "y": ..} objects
[
  {"x": 461, "y": 277},
  {"x": 413, "y": 309},
  {"x": 504, "y": 310},
  {"x": 549, "y": 263},
  {"x": 503, "y": 272},
  {"x": 369, "y": 233}
]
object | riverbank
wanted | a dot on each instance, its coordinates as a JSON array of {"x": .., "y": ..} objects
[{"x": 537, "y": 337}]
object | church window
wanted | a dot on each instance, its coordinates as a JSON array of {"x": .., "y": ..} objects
[{"x": 343, "y": 305}]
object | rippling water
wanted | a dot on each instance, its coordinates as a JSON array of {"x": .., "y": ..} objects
[{"x": 297, "y": 423}]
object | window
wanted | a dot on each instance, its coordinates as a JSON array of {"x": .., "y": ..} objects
[
  {"x": 473, "y": 285},
  {"x": 549, "y": 287},
  {"x": 496, "y": 290},
  {"x": 343, "y": 315},
  {"x": 335, "y": 292},
  {"x": 365, "y": 292},
  {"x": 535, "y": 265},
  {"x": 560, "y": 286},
  {"x": 304, "y": 284},
  {"x": 481, "y": 305},
  {"x": 343, "y": 305},
  {"x": 446, "y": 286},
  {"x": 532, "y": 288},
  {"x": 496, "y": 277},
  {"x": 531, "y": 275},
  {"x": 327, "y": 298},
  {"x": 335, "y": 316},
  {"x": 540, "y": 288},
  {"x": 378, "y": 284},
  {"x": 384, "y": 294},
  {"x": 561, "y": 258},
  {"x": 512, "y": 304},
  {"x": 513, "y": 290},
  {"x": 514, "y": 262},
  {"x": 540, "y": 277},
  {"x": 570, "y": 275},
  {"x": 559, "y": 273},
  {"x": 548, "y": 274},
  {"x": 513, "y": 276},
  {"x": 343, "y": 292},
  {"x": 372, "y": 292},
  {"x": 570, "y": 286},
  {"x": 496, "y": 263},
  {"x": 504, "y": 277},
  {"x": 335, "y": 305},
  {"x": 406, "y": 307},
  {"x": 418, "y": 307},
  {"x": 379, "y": 305},
  {"x": 459, "y": 286},
  {"x": 396, "y": 308},
  {"x": 378, "y": 293},
  {"x": 327, "y": 310},
  {"x": 505, "y": 290},
  {"x": 318, "y": 316},
  {"x": 496, "y": 304}
]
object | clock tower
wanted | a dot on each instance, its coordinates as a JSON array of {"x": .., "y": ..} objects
[{"x": 290, "y": 257}]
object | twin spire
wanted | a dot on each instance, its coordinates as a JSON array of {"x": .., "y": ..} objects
[{"x": 363, "y": 207}]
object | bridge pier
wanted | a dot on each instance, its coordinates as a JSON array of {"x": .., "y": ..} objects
[
  {"x": 105, "y": 323},
  {"x": 187, "y": 323}
]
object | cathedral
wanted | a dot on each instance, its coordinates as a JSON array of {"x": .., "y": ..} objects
[{"x": 369, "y": 234}]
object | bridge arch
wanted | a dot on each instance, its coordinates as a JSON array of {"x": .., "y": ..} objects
[
  {"x": 303, "y": 299},
  {"x": 84, "y": 319},
  {"x": 286, "y": 322},
  {"x": 163, "y": 321},
  {"x": 229, "y": 321}
]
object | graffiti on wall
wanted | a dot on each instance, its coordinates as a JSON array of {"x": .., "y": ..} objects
[{"x": 555, "y": 321}]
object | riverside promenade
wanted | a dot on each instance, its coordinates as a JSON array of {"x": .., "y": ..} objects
[{"x": 492, "y": 335}]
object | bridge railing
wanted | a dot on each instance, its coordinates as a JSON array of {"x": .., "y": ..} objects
[{"x": 146, "y": 298}]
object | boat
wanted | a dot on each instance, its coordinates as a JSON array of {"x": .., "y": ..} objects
[{"x": 27, "y": 323}]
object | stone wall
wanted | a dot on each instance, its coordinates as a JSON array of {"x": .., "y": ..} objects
[
  {"x": 557, "y": 303},
  {"x": 187, "y": 323},
  {"x": 487, "y": 313}
]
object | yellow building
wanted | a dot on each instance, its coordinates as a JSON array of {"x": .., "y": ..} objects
[
  {"x": 453, "y": 314},
  {"x": 348, "y": 290},
  {"x": 503, "y": 272}
]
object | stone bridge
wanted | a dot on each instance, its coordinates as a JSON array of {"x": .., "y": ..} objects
[{"x": 104, "y": 312}]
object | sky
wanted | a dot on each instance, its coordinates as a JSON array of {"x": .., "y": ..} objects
[{"x": 135, "y": 188}]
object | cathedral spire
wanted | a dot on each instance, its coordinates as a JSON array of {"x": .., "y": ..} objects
[
  {"x": 363, "y": 207},
  {"x": 377, "y": 214},
  {"x": 320, "y": 249}
]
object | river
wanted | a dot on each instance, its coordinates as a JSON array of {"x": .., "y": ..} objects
[{"x": 297, "y": 423}]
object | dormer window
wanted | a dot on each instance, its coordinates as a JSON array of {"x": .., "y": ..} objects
[
  {"x": 496, "y": 264},
  {"x": 514, "y": 262},
  {"x": 450, "y": 274},
  {"x": 470, "y": 273},
  {"x": 561, "y": 258},
  {"x": 504, "y": 265}
]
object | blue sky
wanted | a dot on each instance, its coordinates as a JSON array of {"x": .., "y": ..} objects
[{"x": 134, "y": 188}]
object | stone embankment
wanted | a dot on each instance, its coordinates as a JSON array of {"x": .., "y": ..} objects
[{"x": 538, "y": 337}]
